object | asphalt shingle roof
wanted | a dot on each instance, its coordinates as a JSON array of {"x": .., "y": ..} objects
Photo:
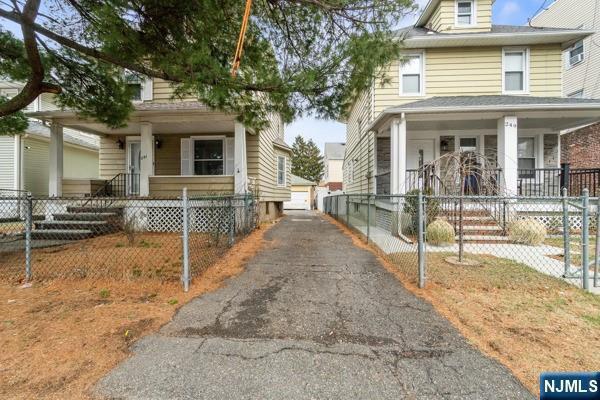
[
  {"x": 70, "y": 135},
  {"x": 469, "y": 101},
  {"x": 414, "y": 31},
  {"x": 299, "y": 181}
]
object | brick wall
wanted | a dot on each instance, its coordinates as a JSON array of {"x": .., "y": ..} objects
[{"x": 581, "y": 148}]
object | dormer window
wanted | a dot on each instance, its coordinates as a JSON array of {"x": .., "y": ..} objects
[
  {"x": 465, "y": 12},
  {"x": 139, "y": 87}
]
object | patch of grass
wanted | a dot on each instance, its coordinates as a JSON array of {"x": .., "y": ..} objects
[
  {"x": 530, "y": 321},
  {"x": 149, "y": 245},
  {"x": 119, "y": 245},
  {"x": 104, "y": 293},
  {"x": 575, "y": 247},
  {"x": 172, "y": 301}
]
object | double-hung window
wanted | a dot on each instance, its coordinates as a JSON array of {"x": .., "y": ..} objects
[
  {"x": 411, "y": 75},
  {"x": 576, "y": 54},
  {"x": 465, "y": 12},
  {"x": 515, "y": 69},
  {"x": 526, "y": 157},
  {"x": 209, "y": 157},
  {"x": 281, "y": 170}
]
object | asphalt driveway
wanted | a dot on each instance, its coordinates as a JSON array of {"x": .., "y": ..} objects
[{"x": 312, "y": 317}]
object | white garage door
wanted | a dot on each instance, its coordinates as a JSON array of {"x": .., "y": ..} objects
[{"x": 299, "y": 201}]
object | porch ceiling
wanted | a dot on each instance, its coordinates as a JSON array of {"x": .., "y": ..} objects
[
  {"x": 540, "y": 123},
  {"x": 164, "y": 120}
]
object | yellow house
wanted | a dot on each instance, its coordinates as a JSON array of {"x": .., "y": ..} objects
[
  {"x": 169, "y": 144},
  {"x": 466, "y": 85}
]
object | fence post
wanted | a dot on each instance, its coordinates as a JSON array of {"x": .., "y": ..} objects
[
  {"x": 186, "y": 244},
  {"x": 566, "y": 233},
  {"x": 28, "y": 228},
  {"x": 597, "y": 252},
  {"x": 585, "y": 239},
  {"x": 231, "y": 214},
  {"x": 565, "y": 175},
  {"x": 420, "y": 239},
  {"x": 347, "y": 210},
  {"x": 368, "y": 218}
]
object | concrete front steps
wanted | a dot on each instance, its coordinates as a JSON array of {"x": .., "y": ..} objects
[
  {"x": 478, "y": 227},
  {"x": 79, "y": 223}
]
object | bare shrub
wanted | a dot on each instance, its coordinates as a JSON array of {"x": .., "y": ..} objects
[
  {"x": 440, "y": 233},
  {"x": 527, "y": 231}
]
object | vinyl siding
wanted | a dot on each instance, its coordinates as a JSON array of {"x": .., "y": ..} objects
[
  {"x": 77, "y": 163},
  {"x": 7, "y": 162},
  {"x": 473, "y": 71},
  {"x": 162, "y": 91},
  {"x": 172, "y": 186},
  {"x": 112, "y": 159},
  {"x": 444, "y": 17},
  {"x": 575, "y": 14},
  {"x": 262, "y": 162},
  {"x": 359, "y": 146}
]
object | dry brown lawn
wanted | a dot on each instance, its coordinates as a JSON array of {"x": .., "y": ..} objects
[
  {"x": 528, "y": 321},
  {"x": 58, "y": 338}
]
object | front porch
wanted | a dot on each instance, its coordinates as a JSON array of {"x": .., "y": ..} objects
[
  {"x": 162, "y": 150},
  {"x": 510, "y": 154}
]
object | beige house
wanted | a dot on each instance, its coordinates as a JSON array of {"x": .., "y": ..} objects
[
  {"x": 466, "y": 85},
  {"x": 169, "y": 144},
  {"x": 333, "y": 160}
]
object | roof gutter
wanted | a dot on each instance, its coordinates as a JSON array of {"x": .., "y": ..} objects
[{"x": 488, "y": 108}]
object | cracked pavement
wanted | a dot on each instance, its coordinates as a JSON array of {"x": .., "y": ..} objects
[{"x": 312, "y": 317}]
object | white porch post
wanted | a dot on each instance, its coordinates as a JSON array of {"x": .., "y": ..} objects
[
  {"x": 507, "y": 153},
  {"x": 55, "y": 172},
  {"x": 398, "y": 156},
  {"x": 240, "y": 173},
  {"x": 146, "y": 157}
]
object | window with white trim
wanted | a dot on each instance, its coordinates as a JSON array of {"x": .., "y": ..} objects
[
  {"x": 411, "y": 75},
  {"x": 465, "y": 15},
  {"x": 515, "y": 70},
  {"x": 576, "y": 54},
  {"x": 526, "y": 157},
  {"x": 281, "y": 169},
  {"x": 209, "y": 156}
]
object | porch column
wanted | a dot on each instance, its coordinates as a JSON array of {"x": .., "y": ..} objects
[
  {"x": 507, "y": 153},
  {"x": 55, "y": 171},
  {"x": 398, "y": 156},
  {"x": 146, "y": 157},
  {"x": 240, "y": 175}
]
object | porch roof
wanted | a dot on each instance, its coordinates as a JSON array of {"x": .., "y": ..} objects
[
  {"x": 169, "y": 117},
  {"x": 570, "y": 111}
]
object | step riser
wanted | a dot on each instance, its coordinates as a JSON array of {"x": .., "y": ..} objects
[
  {"x": 45, "y": 235},
  {"x": 96, "y": 229},
  {"x": 84, "y": 217},
  {"x": 94, "y": 210}
]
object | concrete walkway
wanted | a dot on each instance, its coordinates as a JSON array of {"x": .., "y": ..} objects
[{"x": 312, "y": 317}]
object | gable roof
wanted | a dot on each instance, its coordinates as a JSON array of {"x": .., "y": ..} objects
[
  {"x": 299, "y": 181},
  {"x": 334, "y": 151}
]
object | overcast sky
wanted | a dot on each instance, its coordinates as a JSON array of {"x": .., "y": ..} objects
[{"x": 506, "y": 12}]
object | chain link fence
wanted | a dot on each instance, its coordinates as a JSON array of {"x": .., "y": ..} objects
[
  {"x": 424, "y": 236},
  {"x": 117, "y": 237}
]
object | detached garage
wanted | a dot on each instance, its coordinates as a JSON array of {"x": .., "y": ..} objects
[{"x": 303, "y": 192}]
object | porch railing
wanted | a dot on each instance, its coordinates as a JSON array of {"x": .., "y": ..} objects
[
  {"x": 383, "y": 183},
  {"x": 539, "y": 182},
  {"x": 584, "y": 178}
]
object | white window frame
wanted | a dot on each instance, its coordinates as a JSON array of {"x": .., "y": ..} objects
[
  {"x": 569, "y": 57},
  {"x": 473, "y": 13},
  {"x": 284, "y": 183},
  {"x": 525, "y": 51},
  {"x": 536, "y": 161},
  {"x": 194, "y": 139},
  {"x": 421, "y": 93}
]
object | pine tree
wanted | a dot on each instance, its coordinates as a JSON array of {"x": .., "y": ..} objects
[
  {"x": 298, "y": 56},
  {"x": 307, "y": 161}
]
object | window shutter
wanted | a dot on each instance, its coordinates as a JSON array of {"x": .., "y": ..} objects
[
  {"x": 229, "y": 155},
  {"x": 185, "y": 156},
  {"x": 147, "y": 88}
]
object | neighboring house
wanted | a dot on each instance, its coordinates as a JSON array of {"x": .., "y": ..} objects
[
  {"x": 169, "y": 144},
  {"x": 580, "y": 148},
  {"x": 24, "y": 158},
  {"x": 465, "y": 85},
  {"x": 303, "y": 194},
  {"x": 333, "y": 161}
]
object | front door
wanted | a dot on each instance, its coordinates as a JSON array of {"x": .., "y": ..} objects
[
  {"x": 134, "y": 152},
  {"x": 419, "y": 152}
]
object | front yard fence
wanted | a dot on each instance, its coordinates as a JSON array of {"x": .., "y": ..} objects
[
  {"x": 168, "y": 239},
  {"x": 426, "y": 236}
]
